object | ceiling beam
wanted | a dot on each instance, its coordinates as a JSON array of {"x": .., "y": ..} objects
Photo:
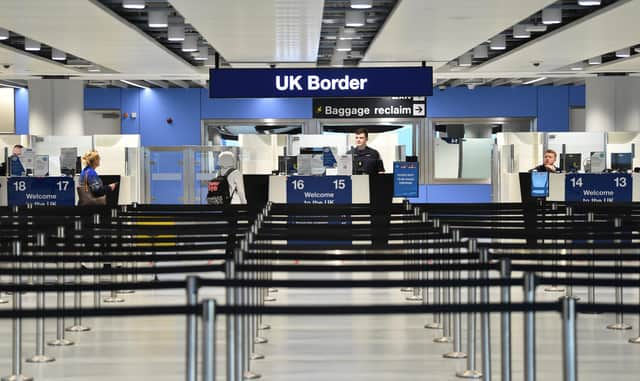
[
  {"x": 162, "y": 84},
  {"x": 179, "y": 83}
]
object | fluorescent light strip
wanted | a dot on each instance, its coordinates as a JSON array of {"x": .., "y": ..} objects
[
  {"x": 11, "y": 86},
  {"x": 534, "y": 80},
  {"x": 133, "y": 84}
]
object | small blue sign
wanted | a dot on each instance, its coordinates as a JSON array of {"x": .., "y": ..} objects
[
  {"x": 41, "y": 191},
  {"x": 319, "y": 190},
  {"x": 405, "y": 179},
  {"x": 322, "y": 82},
  {"x": 591, "y": 187},
  {"x": 539, "y": 184}
]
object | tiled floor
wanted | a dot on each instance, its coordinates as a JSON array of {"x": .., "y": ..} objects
[{"x": 323, "y": 348}]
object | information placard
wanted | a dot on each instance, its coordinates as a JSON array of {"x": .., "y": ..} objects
[
  {"x": 41, "y": 191},
  {"x": 321, "y": 82},
  {"x": 387, "y": 107},
  {"x": 319, "y": 190},
  {"x": 592, "y": 187},
  {"x": 405, "y": 179}
]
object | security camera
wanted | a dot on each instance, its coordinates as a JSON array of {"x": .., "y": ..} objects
[
  {"x": 536, "y": 63},
  {"x": 6, "y": 66}
]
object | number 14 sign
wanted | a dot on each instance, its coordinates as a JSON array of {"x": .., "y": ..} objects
[{"x": 592, "y": 187}]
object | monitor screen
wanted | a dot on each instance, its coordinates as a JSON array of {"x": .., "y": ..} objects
[
  {"x": 621, "y": 161},
  {"x": 570, "y": 162},
  {"x": 539, "y": 184}
]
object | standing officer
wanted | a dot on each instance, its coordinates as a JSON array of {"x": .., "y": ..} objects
[
  {"x": 366, "y": 160},
  {"x": 14, "y": 161}
]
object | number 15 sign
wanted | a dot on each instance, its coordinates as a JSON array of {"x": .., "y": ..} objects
[
  {"x": 591, "y": 187},
  {"x": 319, "y": 190}
]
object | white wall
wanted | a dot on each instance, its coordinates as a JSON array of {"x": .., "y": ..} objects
[
  {"x": 577, "y": 119},
  {"x": 612, "y": 104},
  {"x": 56, "y": 107},
  {"x": 96, "y": 124},
  {"x": 7, "y": 111}
]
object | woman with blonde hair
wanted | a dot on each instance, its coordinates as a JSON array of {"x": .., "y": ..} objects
[{"x": 90, "y": 181}]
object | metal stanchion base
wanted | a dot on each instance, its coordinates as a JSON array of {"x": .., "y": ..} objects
[
  {"x": 554, "y": 289},
  {"x": 264, "y": 327},
  {"x": 269, "y": 299},
  {"x": 635, "y": 340},
  {"x": 113, "y": 299},
  {"x": 272, "y": 290},
  {"x": 17, "y": 377},
  {"x": 469, "y": 374},
  {"x": 443, "y": 339},
  {"x": 60, "y": 342},
  {"x": 251, "y": 376},
  {"x": 414, "y": 298},
  {"x": 77, "y": 328},
  {"x": 4, "y": 301},
  {"x": 455, "y": 355},
  {"x": 257, "y": 356},
  {"x": 433, "y": 325},
  {"x": 406, "y": 289},
  {"x": 260, "y": 340},
  {"x": 40, "y": 359},
  {"x": 125, "y": 291},
  {"x": 619, "y": 326}
]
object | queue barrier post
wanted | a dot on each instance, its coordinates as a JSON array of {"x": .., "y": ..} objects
[
  {"x": 505, "y": 322},
  {"x": 619, "y": 323},
  {"x": 40, "y": 356},
  {"x": 192, "y": 329},
  {"x": 230, "y": 274},
  {"x": 529, "y": 329},
  {"x": 471, "y": 371},
  {"x": 16, "y": 353},
  {"x": 485, "y": 320},
  {"x": 456, "y": 353},
  {"x": 569, "y": 345},
  {"x": 208, "y": 340},
  {"x": 60, "y": 340},
  {"x": 77, "y": 294}
]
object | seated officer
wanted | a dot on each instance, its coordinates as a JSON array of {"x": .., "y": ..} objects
[
  {"x": 14, "y": 161},
  {"x": 366, "y": 160},
  {"x": 548, "y": 162}
]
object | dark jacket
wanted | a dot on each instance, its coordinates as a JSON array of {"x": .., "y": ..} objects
[
  {"x": 366, "y": 161},
  {"x": 542, "y": 168},
  {"x": 16, "y": 166}
]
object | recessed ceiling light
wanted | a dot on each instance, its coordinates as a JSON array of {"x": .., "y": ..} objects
[
  {"x": 533, "y": 28},
  {"x": 133, "y": 84},
  {"x": 343, "y": 46},
  {"x": 520, "y": 31},
  {"x": 589, "y": 3},
  {"x": 175, "y": 33},
  {"x": 31, "y": 45},
  {"x": 465, "y": 60},
  {"x": 595, "y": 60},
  {"x": 576, "y": 68},
  {"x": 499, "y": 42},
  {"x": 534, "y": 80},
  {"x": 133, "y": 4},
  {"x": 158, "y": 18},
  {"x": 190, "y": 43},
  {"x": 551, "y": 16},
  {"x": 328, "y": 21},
  {"x": 58, "y": 55},
  {"x": 203, "y": 54},
  {"x": 361, "y": 4},
  {"x": 481, "y": 51},
  {"x": 354, "y": 18},
  {"x": 93, "y": 69},
  {"x": 623, "y": 53},
  {"x": 4, "y": 34},
  {"x": 637, "y": 49}
]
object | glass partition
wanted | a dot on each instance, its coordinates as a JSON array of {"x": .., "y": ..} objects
[{"x": 577, "y": 145}]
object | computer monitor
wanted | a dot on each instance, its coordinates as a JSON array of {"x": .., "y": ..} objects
[
  {"x": 597, "y": 162},
  {"x": 621, "y": 161},
  {"x": 287, "y": 165},
  {"x": 571, "y": 162},
  {"x": 328, "y": 158},
  {"x": 539, "y": 184}
]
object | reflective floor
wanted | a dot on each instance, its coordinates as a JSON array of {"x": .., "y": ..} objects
[{"x": 322, "y": 348}]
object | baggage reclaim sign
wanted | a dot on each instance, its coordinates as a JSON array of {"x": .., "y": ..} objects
[
  {"x": 392, "y": 107},
  {"x": 321, "y": 82}
]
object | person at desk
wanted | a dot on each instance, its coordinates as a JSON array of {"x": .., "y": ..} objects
[
  {"x": 366, "y": 160},
  {"x": 548, "y": 162},
  {"x": 14, "y": 161}
]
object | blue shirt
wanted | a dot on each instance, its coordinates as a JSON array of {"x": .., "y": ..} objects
[
  {"x": 16, "y": 166},
  {"x": 94, "y": 182}
]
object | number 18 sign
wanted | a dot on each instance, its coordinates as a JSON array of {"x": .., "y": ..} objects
[
  {"x": 591, "y": 187},
  {"x": 320, "y": 190},
  {"x": 41, "y": 191}
]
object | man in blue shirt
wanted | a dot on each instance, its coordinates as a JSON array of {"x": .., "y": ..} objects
[{"x": 14, "y": 161}]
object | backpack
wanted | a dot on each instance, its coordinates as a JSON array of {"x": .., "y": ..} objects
[{"x": 218, "y": 193}]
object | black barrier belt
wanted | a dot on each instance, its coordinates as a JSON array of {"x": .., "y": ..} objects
[
  {"x": 560, "y": 246},
  {"x": 130, "y": 249},
  {"x": 367, "y": 268},
  {"x": 72, "y": 243},
  {"x": 349, "y": 247},
  {"x": 111, "y": 258},
  {"x": 111, "y": 271}
]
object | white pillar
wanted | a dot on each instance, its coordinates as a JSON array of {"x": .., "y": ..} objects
[
  {"x": 612, "y": 104},
  {"x": 56, "y": 107}
]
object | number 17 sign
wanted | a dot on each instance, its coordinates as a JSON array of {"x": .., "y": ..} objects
[
  {"x": 41, "y": 191},
  {"x": 591, "y": 187}
]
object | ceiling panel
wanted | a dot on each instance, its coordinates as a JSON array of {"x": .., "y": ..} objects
[
  {"x": 23, "y": 64},
  {"x": 441, "y": 30},
  {"x": 88, "y": 30},
  {"x": 257, "y": 30},
  {"x": 604, "y": 31},
  {"x": 627, "y": 65}
]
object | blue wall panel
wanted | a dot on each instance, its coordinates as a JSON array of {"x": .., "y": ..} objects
[
  {"x": 282, "y": 108},
  {"x": 468, "y": 193},
  {"x": 577, "y": 96},
  {"x": 102, "y": 99},
  {"x": 21, "y": 105},
  {"x": 461, "y": 102},
  {"x": 553, "y": 108},
  {"x": 130, "y": 103},
  {"x": 182, "y": 105}
]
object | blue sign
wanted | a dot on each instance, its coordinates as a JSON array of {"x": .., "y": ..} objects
[
  {"x": 41, "y": 191},
  {"x": 591, "y": 187},
  {"x": 318, "y": 83},
  {"x": 405, "y": 179},
  {"x": 319, "y": 190},
  {"x": 539, "y": 184}
]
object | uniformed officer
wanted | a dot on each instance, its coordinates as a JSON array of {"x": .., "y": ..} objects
[
  {"x": 14, "y": 161},
  {"x": 548, "y": 162},
  {"x": 366, "y": 160}
]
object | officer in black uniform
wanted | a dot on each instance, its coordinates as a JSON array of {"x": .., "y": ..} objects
[
  {"x": 366, "y": 160},
  {"x": 548, "y": 162},
  {"x": 14, "y": 161}
]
